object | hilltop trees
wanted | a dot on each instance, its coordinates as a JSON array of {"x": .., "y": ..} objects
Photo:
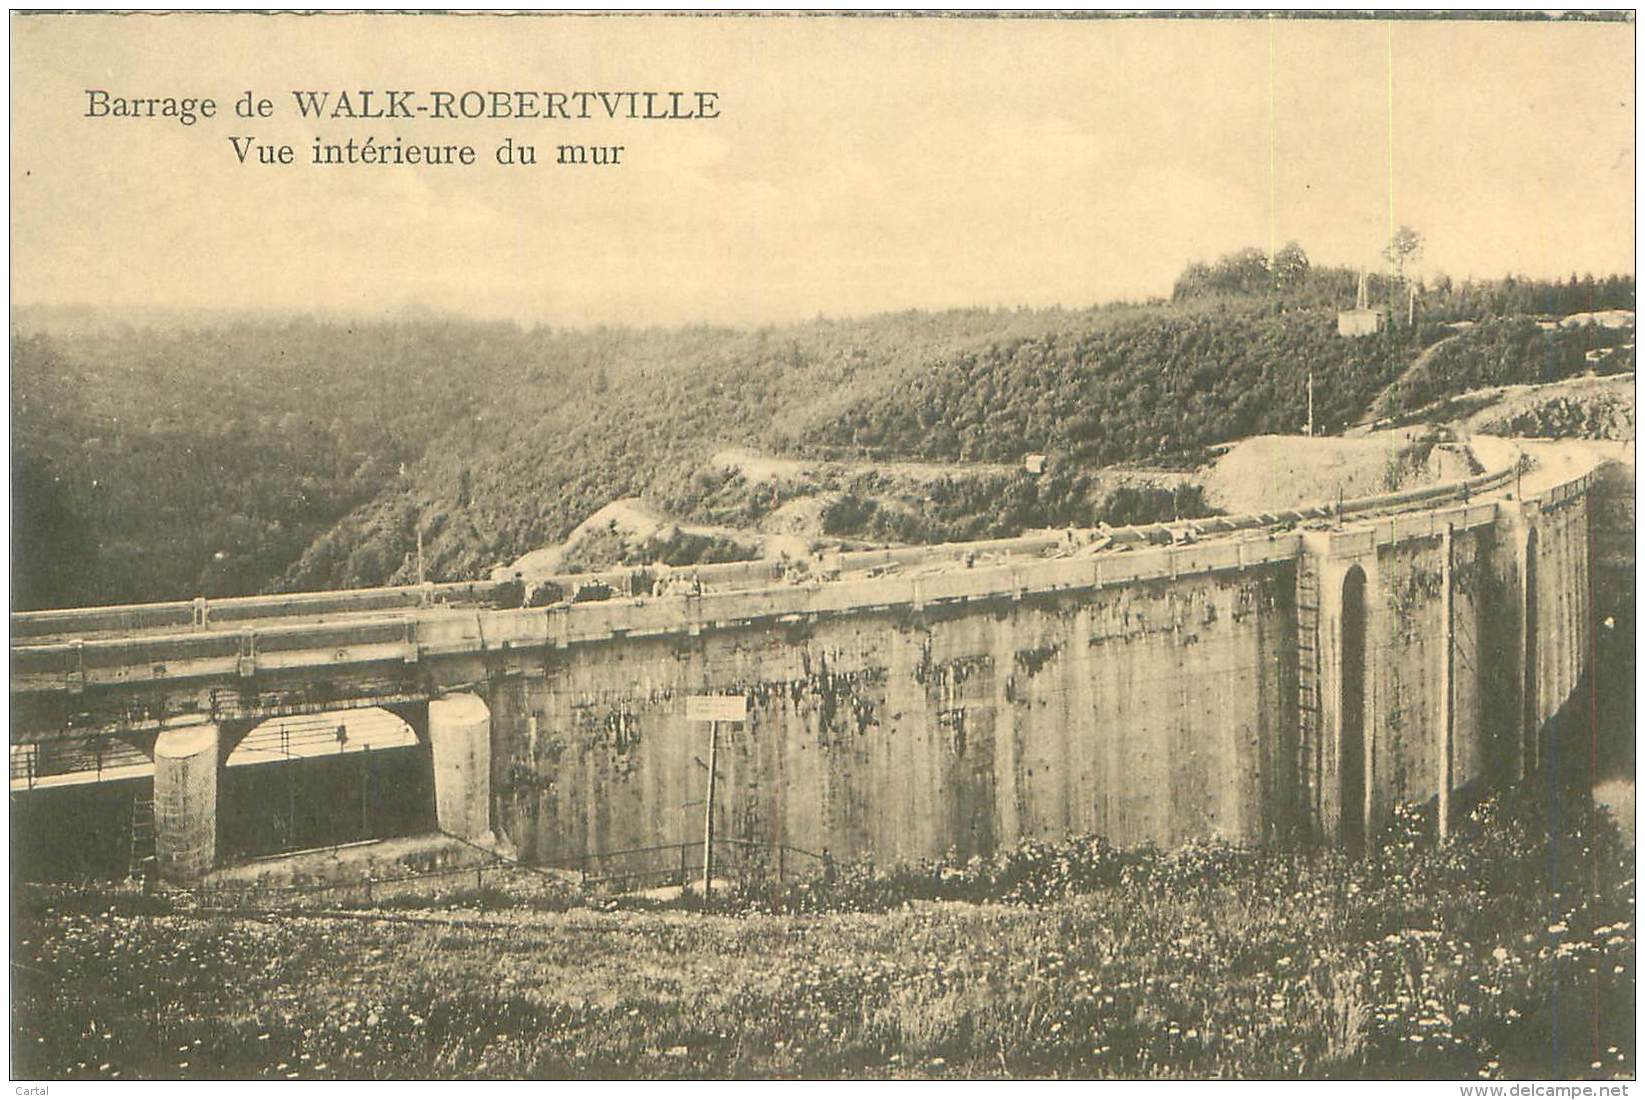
[
  {"x": 1290, "y": 266},
  {"x": 1242, "y": 272},
  {"x": 1404, "y": 246},
  {"x": 1296, "y": 283}
]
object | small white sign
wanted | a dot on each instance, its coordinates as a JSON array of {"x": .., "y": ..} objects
[{"x": 716, "y": 708}]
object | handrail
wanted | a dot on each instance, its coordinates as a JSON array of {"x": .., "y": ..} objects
[
  {"x": 364, "y": 882},
  {"x": 496, "y": 860},
  {"x": 767, "y": 844},
  {"x": 683, "y": 870}
]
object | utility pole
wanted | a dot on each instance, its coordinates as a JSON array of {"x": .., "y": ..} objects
[
  {"x": 419, "y": 550},
  {"x": 1310, "y": 401}
]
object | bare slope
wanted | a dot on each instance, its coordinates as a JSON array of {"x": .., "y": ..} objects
[
  {"x": 1579, "y": 408},
  {"x": 1282, "y": 471}
]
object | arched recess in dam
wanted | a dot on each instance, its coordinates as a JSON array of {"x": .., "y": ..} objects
[
  {"x": 316, "y": 780},
  {"x": 1352, "y": 743}
]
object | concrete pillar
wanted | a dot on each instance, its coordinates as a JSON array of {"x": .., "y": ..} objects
[
  {"x": 1445, "y": 728},
  {"x": 459, "y": 728},
  {"x": 1316, "y": 609},
  {"x": 1514, "y": 531},
  {"x": 1347, "y": 803},
  {"x": 185, "y": 801}
]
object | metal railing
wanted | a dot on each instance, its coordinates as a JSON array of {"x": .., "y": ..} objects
[
  {"x": 364, "y": 889},
  {"x": 370, "y": 887},
  {"x": 36, "y": 763},
  {"x": 681, "y": 862},
  {"x": 660, "y": 865}
]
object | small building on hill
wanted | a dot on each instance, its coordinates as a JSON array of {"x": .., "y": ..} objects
[{"x": 1362, "y": 320}]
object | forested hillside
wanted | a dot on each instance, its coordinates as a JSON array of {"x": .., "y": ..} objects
[
  {"x": 1507, "y": 351},
  {"x": 168, "y": 460},
  {"x": 151, "y": 464},
  {"x": 1166, "y": 383}
]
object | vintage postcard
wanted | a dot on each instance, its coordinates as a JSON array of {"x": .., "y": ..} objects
[{"x": 823, "y": 545}]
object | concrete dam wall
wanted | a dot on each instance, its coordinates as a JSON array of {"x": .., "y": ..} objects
[
  {"x": 1158, "y": 711},
  {"x": 1254, "y": 678},
  {"x": 1409, "y": 659}
]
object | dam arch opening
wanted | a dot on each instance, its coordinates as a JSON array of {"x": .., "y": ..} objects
[
  {"x": 322, "y": 780},
  {"x": 1352, "y": 771}
]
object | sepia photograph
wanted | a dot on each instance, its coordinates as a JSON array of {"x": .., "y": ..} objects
[{"x": 805, "y": 545}]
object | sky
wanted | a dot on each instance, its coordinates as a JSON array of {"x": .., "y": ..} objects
[{"x": 857, "y": 165}]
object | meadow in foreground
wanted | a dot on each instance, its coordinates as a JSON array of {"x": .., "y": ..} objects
[{"x": 1508, "y": 953}]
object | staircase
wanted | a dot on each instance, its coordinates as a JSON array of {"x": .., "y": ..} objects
[
  {"x": 142, "y": 833},
  {"x": 1310, "y": 755}
]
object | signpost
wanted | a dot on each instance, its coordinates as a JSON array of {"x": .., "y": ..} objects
[
  {"x": 716, "y": 708},
  {"x": 713, "y": 709}
]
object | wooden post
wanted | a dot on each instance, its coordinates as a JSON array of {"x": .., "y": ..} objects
[
  {"x": 713, "y": 709},
  {"x": 708, "y": 813}
]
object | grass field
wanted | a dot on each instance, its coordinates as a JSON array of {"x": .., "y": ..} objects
[{"x": 1507, "y": 954}]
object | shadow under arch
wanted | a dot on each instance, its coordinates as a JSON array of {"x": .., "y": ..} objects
[{"x": 318, "y": 780}]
